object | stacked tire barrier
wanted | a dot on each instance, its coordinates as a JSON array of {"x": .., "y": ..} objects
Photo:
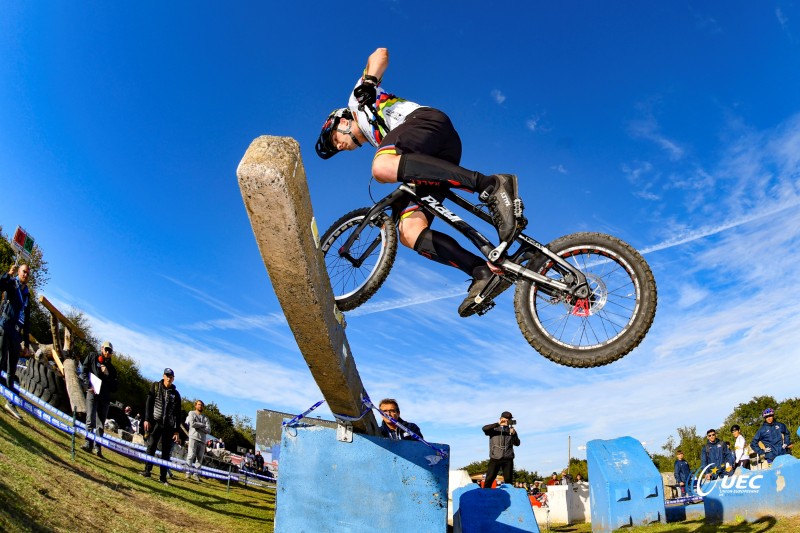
[{"x": 45, "y": 382}]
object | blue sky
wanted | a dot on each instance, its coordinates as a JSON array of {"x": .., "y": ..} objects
[{"x": 675, "y": 126}]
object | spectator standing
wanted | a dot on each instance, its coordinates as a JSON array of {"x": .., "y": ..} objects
[
  {"x": 683, "y": 473},
  {"x": 250, "y": 460},
  {"x": 162, "y": 416},
  {"x": 502, "y": 439},
  {"x": 713, "y": 454},
  {"x": 100, "y": 378},
  {"x": 773, "y": 435},
  {"x": 553, "y": 479},
  {"x": 390, "y": 430},
  {"x": 740, "y": 455},
  {"x": 199, "y": 428},
  {"x": 259, "y": 462},
  {"x": 14, "y": 326},
  {"x": 578, "y": 478}
]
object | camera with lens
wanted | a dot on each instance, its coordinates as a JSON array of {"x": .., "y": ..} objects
[{"x": 512, "y": 422}]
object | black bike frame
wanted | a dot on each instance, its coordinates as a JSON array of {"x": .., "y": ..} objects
[{"x": 400, "y": 197}]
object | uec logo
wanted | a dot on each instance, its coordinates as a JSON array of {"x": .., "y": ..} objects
[{"x": 730, "y": 483}]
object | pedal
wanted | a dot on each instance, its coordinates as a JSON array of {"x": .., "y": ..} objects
[
  {"x": 519, "y": 207},
  {"x": 482, "y": 309}
]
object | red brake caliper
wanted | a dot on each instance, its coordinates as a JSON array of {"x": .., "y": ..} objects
[{"x": 581, "y": 307}]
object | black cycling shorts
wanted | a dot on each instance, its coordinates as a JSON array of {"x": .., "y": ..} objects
[{"x": 425, "y": 131}]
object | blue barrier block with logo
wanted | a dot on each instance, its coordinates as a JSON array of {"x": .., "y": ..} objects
[
  {"x": 501, "y": 510},
  {"x": 369, "y": 484},
  {"x": 754, "y": 494},
  {"x": 625, "y": 485}
]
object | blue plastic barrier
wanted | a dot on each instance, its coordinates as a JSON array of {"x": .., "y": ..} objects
[
  {"x": 626, "y": 487},
  {"x": 755, "y": 494},
  {"x": 369, "y": 484},
  {"x": 501, "y": 510}
]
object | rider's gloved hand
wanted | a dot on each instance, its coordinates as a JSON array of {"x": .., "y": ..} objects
[{"x": 365, "y": 94}]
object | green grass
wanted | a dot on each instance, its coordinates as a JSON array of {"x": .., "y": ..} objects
[{"x": 43, "y": 489}]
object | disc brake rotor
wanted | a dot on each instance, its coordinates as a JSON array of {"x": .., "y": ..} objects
[{"x": 598, "y": 296}]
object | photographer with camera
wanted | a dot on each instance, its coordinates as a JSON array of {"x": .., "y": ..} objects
[{"x": 502, "y": 439}]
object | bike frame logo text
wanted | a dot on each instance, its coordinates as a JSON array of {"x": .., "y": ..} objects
[
  {"x": 439, "y": 208},
  {"x": 743, "y": 484}
]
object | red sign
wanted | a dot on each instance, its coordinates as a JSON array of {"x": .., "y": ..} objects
[{"x": 23, "y": 242}]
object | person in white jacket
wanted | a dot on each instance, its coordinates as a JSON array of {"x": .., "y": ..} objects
[
  {"x": 199, "y": 428},
  {"x": 740, "y": 448}
]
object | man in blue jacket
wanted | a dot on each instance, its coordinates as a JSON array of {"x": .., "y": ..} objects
[
  {"x": 683, "y": 474},
  {"x": 714, "y": 454},
  {"x": 773, "y": 435},
  {"x": 14, "y": 325}
]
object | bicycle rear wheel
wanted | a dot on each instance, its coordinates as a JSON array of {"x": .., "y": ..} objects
[
  {"x": 599, "y": 329},
  {"x": 375, "y": 248}
]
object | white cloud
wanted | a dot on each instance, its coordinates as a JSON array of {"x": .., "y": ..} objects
[
  {"x": 648, "y": 129},
  {"x": 498, "y": 96}
]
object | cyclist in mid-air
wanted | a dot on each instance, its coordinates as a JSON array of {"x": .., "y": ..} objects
[{"x": 419, "y": 145}]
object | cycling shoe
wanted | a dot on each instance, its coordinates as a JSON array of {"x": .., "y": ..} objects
[{"x": 501, "y": 202}]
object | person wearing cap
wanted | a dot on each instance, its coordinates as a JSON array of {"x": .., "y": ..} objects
[
  {"x": 502, "y": 439},
  {"x": 390, "y": 430},
  {"x": 162, "y": 416},
  {"x": 100, "y": 379},
  {"x": 773, "y": 435},
  {"x": 14, "y": 325}
]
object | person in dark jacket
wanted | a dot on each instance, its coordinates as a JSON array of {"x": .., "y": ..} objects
[
  {"x": 162, "y": 416},
  {"x": 773, "y": 435},
  {"x": 714, "y": 455},
  {"x": 390, "y": 430},
  {"x": 14, "y": 325},
  {"x": 683, "y": 473},
  {"x": 100, "y": 378},
  {"x": 502, "y": 439}
]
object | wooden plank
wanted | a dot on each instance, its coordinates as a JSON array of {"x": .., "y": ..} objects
[
  {"x": 56, "y": 351},
  {"x": 64, "y": 320}
]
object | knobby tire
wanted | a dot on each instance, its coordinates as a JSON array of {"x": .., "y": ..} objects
[
  {"x": 352, "y": 286},
  {"x": 614, "y": 320}
]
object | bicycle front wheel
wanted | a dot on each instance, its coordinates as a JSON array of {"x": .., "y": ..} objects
[
  {"x": 357, "y": 276},
  {"x": 599, "y": 329}
]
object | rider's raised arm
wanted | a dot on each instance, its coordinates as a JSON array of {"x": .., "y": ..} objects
[{"x": 376, "y": 64}]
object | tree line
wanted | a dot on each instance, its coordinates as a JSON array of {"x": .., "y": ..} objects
[{"x": 235, "y": 431}]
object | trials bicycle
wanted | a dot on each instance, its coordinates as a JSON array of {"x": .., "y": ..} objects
[{"x": 584, "y": 300}]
